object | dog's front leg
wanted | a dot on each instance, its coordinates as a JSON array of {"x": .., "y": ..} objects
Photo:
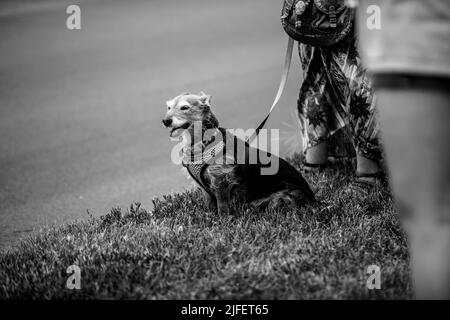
[
  {"x": 210, "y": 201},
  {"x": 223, "y": 201},
  {"x": 220, "y": 186}
]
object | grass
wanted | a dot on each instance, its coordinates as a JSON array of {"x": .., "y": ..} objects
[{"x": 179, "y": 250}]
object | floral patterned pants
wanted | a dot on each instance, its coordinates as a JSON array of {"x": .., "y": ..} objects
[{"x": 336, "y": 98}]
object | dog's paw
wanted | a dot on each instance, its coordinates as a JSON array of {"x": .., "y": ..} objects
[
  {"x": 223, "y": 210},
  {"x": 211, "y": 205}
]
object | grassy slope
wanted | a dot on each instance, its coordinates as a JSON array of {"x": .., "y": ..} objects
[{"x": 181, "y": 251}]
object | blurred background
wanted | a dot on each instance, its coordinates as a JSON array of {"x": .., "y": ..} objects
[{"x": 81, "y": 110}]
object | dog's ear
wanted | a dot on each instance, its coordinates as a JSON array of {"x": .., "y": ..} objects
[
  {"x": 205, "y": 99},
  {"x": 210, "y": 120},
  {"x": 169, "y": 103}
]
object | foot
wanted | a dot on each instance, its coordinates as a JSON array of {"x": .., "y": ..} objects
[{"x": 363, "y": 185}]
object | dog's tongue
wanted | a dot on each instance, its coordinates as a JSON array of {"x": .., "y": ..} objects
[{"x": 175, "y": 132}]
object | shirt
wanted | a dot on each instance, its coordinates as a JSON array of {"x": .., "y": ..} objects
[{"x": 405, "y": 36}]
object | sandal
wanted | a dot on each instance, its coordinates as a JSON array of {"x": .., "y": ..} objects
[
  {"x": 364, "y": 184},
  {"x": 370, "y": 177},
  {"x": 313, "y": 167}
]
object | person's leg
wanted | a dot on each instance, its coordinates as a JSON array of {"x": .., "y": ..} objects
[
  {"x": 364, "y": 124},
  {"x": 366, "y": 165},
  {"x": 352, "y": 88},
  {"x": 313, "y": 109},
  {"x": 416, "y": 135},
  {"x": 318, "y": 154}
]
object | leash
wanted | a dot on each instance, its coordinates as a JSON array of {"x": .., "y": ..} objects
[{"x": 284, "y": 76}]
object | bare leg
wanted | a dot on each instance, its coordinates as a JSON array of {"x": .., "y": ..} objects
[
  {"x": 365, "y": 165},
  {"x": 317, "y": 155},
  {"x": 416, "y": 135}
]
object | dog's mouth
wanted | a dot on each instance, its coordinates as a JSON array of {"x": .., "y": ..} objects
[{"x": 176, "y": 131}]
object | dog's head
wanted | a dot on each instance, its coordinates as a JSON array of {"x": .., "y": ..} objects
[{"x": 187, "y": 108}]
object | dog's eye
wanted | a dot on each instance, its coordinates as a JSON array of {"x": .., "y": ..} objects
[{"x": 184, "y": 108}]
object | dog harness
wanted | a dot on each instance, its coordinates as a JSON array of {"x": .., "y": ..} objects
[{"x": 197, "y": 163}]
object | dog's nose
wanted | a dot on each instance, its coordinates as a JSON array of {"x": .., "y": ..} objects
[{"x": 167, "y": 122}]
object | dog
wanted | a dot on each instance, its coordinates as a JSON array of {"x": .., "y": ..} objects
[{"x": 233, "y": 177}]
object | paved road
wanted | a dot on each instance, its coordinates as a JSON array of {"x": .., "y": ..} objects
[{"x": 80, "y": 111}]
